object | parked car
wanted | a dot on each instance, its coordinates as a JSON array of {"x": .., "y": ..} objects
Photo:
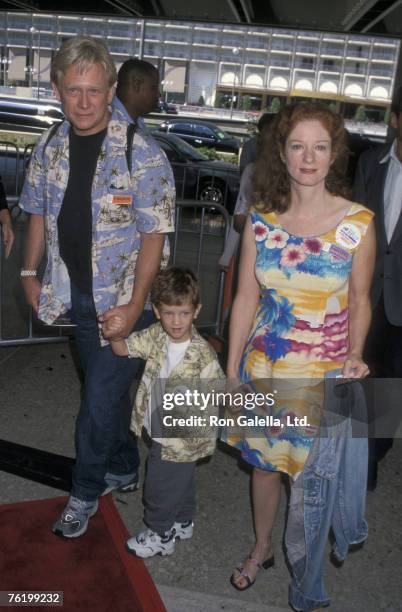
[
  {"x": 166, "y": 107},
  {"x": 201, "y": 134},
  {"x": 196, "y": 176},
  {"x": 29, "y": 113}
]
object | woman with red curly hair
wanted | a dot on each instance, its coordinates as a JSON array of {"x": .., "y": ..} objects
[{"x": 302, "y": 307}]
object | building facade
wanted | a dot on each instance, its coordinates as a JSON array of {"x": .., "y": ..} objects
[{"x": 245, "y": 66}]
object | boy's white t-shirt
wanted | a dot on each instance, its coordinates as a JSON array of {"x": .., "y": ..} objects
[{"x": 174, "y": 354}]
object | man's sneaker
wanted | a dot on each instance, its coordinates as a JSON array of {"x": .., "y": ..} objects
[
  {"x": 148, "y": 543},
  {"x": 74, "y": 519},
  {"x": 122, "y": 483},
  {"x": 183, "y": 531}
]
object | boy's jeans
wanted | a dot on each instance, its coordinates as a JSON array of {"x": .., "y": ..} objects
[{"x": 169, "y": 494}]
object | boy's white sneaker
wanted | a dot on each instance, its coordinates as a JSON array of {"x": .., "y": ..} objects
[
  {"x": 148, "y": 544},
  {"x": 183, "y": 531}
]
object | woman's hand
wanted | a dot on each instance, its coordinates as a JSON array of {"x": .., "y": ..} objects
[
  {"x": 237, "y": 390},
  {"x": 355, "y": 367}
]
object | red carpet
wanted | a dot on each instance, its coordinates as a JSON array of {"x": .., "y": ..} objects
[{"x": 95, "y": 572}]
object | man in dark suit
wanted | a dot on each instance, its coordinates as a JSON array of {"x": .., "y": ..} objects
[{"x": 378, "y": 185}]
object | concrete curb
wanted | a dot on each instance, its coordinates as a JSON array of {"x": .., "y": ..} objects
[{"x": 184, "y": 600}]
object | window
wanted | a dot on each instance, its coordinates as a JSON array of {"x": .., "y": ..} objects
[
  {"x": 307, "y": 62},
  {"x": 181, "y": 128},
  {"x": 203, "y": 132}
]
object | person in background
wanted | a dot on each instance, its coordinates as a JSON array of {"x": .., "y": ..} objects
[
  {"x": 378, "y": 185},
  {"x": 240, "y": 213},
  {"x": 245, "y": 195},
  {"x": 250, "y": 148},
  {"x": 137, "y": 90},
  {"x": 5, "y": 222}
]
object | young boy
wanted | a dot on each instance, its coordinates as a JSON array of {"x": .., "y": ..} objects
[{"x": 175, "y": 354}]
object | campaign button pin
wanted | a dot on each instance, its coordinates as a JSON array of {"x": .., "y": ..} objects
[{"x": 348, "y": 235}]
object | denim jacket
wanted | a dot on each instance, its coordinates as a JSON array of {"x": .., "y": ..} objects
[{"x": 329, "y": 493}]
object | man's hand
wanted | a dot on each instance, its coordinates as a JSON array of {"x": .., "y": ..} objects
[
  {"x": 32, "y": 288},
  {"x": 7, "y": 230},
  {"x": 111, "y": 326},
  {"x": 34, "y": 251},
  {"x": 118, "y": 322}
]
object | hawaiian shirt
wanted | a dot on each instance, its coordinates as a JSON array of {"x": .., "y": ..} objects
[
  {"x": 199, "y": 369},
  {"x": 118, "y": 107},
  {"x": 124, "y": 205}
]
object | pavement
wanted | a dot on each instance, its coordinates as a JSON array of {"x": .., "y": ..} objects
[{"x": 39, "y": 395}]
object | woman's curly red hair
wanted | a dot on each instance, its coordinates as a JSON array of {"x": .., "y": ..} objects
[{"x": 271, "y": 183}]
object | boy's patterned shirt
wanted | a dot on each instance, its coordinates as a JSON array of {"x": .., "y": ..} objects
[
  {"x": 199, "y": 369},
  {"x": 116, "y": 227}
]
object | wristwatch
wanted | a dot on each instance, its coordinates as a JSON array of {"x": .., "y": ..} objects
[{"x": 25, "y": 273}]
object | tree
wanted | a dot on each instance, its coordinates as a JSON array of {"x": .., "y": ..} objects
[
  {"x": 201, "y": 101},
  {"x": 275, "y": 105},
  {"x": 360, "y": 114},
  {"x": 246, "y": 103}
]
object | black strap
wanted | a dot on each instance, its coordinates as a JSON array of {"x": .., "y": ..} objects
[
  {"x": 50, "y": 135},
  {"x": 129, "y": 149}
]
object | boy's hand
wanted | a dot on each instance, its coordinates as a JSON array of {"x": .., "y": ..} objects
[
  {"x": 112, "y": 326},
  {"x": 127, "y": 315}
]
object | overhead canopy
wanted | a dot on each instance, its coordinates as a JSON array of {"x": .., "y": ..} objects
[{"x": 367, "y": 16}]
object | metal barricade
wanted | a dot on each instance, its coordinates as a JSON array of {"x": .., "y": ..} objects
[
  {"x": 201, "y": 230},
  {"x": 11, "y": 169},
  {"x": 18, "y": 326}
]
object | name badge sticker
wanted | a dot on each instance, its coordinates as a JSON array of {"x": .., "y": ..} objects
[
  {"x": 336, "y": 253},
  {"x": 119, "y": 200},
  {"x": 348, "y": 235}
]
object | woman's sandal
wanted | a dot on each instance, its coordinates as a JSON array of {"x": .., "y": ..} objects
[{"x": 265, "y": 564}]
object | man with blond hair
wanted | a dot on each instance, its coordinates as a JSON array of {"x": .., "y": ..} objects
[{"x": 100, "y": 204}]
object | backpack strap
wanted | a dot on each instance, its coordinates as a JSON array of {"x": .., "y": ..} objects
[
  {"x": 49, "y": 137},
  {"x": 131, "y": 128}
]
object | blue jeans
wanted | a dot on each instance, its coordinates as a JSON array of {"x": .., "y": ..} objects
[
  {"x": 103, "y": 440},
  {"x": 329, "y": 493}
]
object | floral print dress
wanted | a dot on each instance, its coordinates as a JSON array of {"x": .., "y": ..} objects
[{"x": 300, "y": 332}]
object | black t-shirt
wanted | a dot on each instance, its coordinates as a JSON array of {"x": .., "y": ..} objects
[{"x": 74, "y": 222}]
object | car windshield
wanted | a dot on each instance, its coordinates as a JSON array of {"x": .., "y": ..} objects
[{"x": 187, "y": 150}]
